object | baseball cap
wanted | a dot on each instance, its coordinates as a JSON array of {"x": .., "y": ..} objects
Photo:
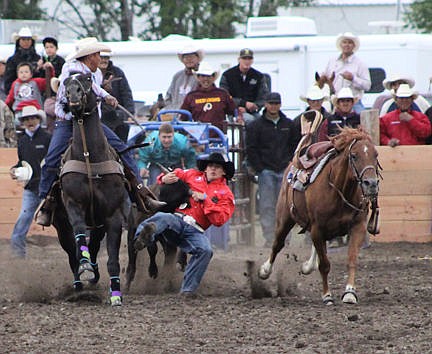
[
  {"x": 246, "y": 53},
  {"x": 273, "y": 97}
]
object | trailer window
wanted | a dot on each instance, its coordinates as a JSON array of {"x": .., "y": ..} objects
[{"x": 377, "y": 76}]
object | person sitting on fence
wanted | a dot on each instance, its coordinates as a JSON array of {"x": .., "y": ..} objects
[
  {"x": 385, "y": 102},
  {"x": 169, "y": 149},
  {"x": 404, "y": 126},
  {"x": 208, "y": 103},
  {"x": 211, "y": 203}
]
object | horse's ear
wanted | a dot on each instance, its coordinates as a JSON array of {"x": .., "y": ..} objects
[{"x": 317, "y": 76}]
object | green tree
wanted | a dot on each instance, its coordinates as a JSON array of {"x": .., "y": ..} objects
[
  {"x": 13, "y": 9},
  {"x": 420, "y": 16},
  {"x": 270, "y": 7}
]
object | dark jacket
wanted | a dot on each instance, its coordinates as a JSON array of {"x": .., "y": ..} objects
[
  {"x": 253, "y": 88},
  {"x": 33, "y": 150},
  {"x": 20, "y": 55},
  {"x": 57, "y": 62},
  {"x": 270, "y": 146},
  {"x": 120, "y": 90},
  {"x": 330, "y": 127}
]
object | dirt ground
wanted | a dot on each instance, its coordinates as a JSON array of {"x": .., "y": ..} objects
[{"x": 40, "y": 314}]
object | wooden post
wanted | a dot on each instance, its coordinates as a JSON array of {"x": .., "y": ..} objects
[{"x": 369, "y": 119}]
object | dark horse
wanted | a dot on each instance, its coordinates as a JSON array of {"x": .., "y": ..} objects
[
  {"x": 93, "y": 194},
  {"x": 335, "y": 204}
]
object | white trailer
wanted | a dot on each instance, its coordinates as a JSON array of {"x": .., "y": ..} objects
[{"x": 290, "y": 61}]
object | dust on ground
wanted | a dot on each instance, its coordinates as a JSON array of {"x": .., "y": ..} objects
[{"x": 41, "y": 314}]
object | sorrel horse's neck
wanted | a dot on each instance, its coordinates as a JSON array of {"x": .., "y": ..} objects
[{"x": 342, "y": 175}]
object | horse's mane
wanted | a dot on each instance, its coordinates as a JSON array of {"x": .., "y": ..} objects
[{"x": 347, "y": 135}]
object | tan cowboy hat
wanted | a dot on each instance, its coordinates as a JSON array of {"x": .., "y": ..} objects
[
  {"x": 348, "y": 35},
  {"x": 205, "y": 68},
  {"x": 24, "y": 32},
  {"x": 398, "y": 77},
  {"x": 87, "y": 46},
  {"x": 24, "y": 173},
  {"x": 30, "y": 111},
  {"x": 405, "y": 91},
  {"x": 55, "y": 83},
  {"x": 190, "y": 49},
  {"x": 314, "y": 93},
  {"x": 344, "y": 92}
]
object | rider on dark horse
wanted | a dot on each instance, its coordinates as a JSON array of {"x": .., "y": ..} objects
[{"x": 87, "y": 58}]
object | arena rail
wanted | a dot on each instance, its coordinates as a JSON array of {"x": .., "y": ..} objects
[{"x": 405, "y": 195}]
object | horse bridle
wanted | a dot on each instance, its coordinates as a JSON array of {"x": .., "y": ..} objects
[{"x": 83, "y": 99}]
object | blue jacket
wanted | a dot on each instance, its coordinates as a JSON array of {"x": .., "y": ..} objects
[{"x": 180, "y": 154}]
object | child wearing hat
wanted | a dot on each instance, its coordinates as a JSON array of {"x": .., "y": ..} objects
[{"x": 32, "y": 148}]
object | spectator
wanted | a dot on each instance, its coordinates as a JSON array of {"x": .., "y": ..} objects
[
  {"x": 26, "y": 90},
  {"x": 169, "y": 149},
  {"x": 246, "y": 85},
  {"x": 314, "y": 98},
  {"x": 24, "y": 52},
  {"x": 211, "y": 203},
  {"x": 385, "y": 102},
  {"x": 117, "y": 85},
  {"x": 7, "y": 126},
  {"x": 350, "y": 71},
  {"x": 32, "y": 148},
  {"x": 270, "y": 144},
  {"x": 343, "y": 116},
  {"x": 209, "y": 104},
  {"x": 184, "y": 81},
  {"x": 51, "y": 46},
  {"x": 404, "y": 126},
  {"x": 3, "y": 93},
  {"x": 87, "y": 58}
]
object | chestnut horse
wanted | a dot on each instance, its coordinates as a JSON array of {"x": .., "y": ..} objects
[
  {"x": 335, "y": 204},
  {"x": 325, "y": 83}
]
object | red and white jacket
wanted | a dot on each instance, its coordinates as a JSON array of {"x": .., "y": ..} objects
[{"x": 217, "y": 208}]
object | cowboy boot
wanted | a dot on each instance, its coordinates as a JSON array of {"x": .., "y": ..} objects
[{"x": 45, "y": 211}]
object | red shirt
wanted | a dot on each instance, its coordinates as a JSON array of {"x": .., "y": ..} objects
[
  {"x": 413, "y": 132},
  {"x": 217, "y": 208},
  {"x": 209, "y": 106}
]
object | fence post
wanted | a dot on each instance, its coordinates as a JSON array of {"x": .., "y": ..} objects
[{"x": 369, "y": 119}]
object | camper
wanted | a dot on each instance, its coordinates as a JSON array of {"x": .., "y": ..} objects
[{"x": 290, "y": 62}]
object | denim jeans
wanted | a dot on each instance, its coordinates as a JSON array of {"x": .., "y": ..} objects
[
  {"x": 59, "y": 142},
  {"x": 154, "y": 172},
  {"x": 269, "y": 185},
  {"x": 190, "y": 240},
  {"x": 30, "y": 202},
  {"x": 358, "y": 107}
]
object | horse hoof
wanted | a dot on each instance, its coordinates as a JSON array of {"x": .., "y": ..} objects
[
  {"x": 328, "y": 300},
  {"x": 86, "y": 272},
  {"x": 350, "y": 297},
  {"x": 265, "y": 270},
  {"x": 78, "y": 286},
  {"x": 116, "y": 301}
]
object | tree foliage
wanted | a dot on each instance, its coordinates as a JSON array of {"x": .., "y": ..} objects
[
  {"x": 13, "y": 9},
  {"x": 420, "y": 16}
]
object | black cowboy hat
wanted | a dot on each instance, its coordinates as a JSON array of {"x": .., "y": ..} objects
[{"x": 219, "y": 159}]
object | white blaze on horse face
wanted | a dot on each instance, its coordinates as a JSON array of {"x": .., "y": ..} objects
[{"x": 365, "y": 150}]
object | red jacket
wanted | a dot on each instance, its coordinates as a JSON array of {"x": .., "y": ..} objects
[
  {"x": 413, "y": 132},
  {"x": 218, "y": 206}
]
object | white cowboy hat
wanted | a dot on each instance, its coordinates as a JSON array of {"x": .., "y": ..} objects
[
  {"x": 55, "y": 83},
  {"x": 344, "y": 92},
  {"x": 398, "y": 77},
  {"x": 24, "y": 173},
  {"x": 190, "y": 49},
  {"x": 87, "y": 46},
  {"x": 24, "y": 32},
  {"x": 206, "y": 69},
  {"x": 30, "y": 111},
  {"x": 348, "y": 35},
  {"x": 106, "y": 54},
  {"x": 314, "y": 93},
  {"x": 404, "y": 91}
]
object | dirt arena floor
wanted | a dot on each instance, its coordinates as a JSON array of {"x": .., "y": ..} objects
[{"x": 40, "y": 314}]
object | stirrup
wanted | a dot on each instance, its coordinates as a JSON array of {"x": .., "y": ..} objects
[{"x": 43, "y": 216}]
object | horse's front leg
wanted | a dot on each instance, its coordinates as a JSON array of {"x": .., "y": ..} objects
[
  {"x": 284, "y": 223},
  {"x": 323, "y": 263},
  {"x": 96, "y": 237},
  {"x": 77, "y": 220},
  {"x": 356, "y": 239},
  {"x": 114, "y": 231}
]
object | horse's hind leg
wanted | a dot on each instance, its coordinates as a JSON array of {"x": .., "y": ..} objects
[
  {"x": 114, "y": 230},
  {"x": 96, "y": 237}
]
